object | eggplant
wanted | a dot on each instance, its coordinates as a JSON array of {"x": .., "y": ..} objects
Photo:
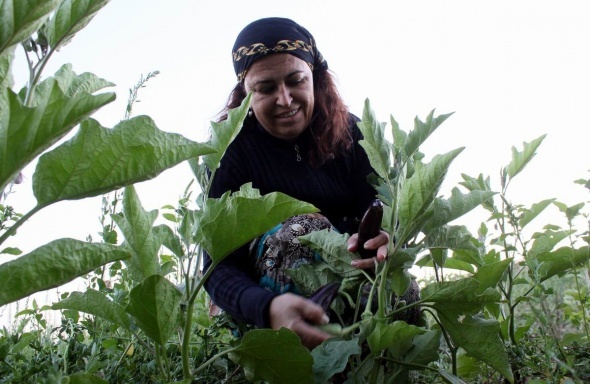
[
  {"x": 370, "y": 227},
  {"x": 325, "y": 295}
]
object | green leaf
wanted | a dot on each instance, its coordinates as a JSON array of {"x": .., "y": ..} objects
[
  {"x": 52, "y": 265},
  {"x": 98, "y": 160},
  {"x": 26, "y": 132},
  {"x": 136, "y": 226},
  {"x": 424, "y": 349},
  {"x": 546, "y": 241},
  {"x": 232, "y": 220},
  {"x": 11, "y": 251},
  {"x": 479, "y": 337},
  {"x": 396, "y": 336},
  {"x": 223, "y": 133},
  {"x": 459, "y": 204},
  {"x": 84, "y": 378},
  {"x": 489, "y": 275},
  {"x": 97, "y": 304},
  {"x": 70, "y": 17},
  {"x": 19, "y": 19},
  {"x": 166, "y": 237},
  {"x": 534, "y": 211},
  {"x": 374, "y": 142},
  {"x": 24, "y": 340},
  {"x": 458, "y": 295},
  {"x": 521, "y": 159},
  {"x": 332, "y": 356},
  {"x": 570, "y": 212},
  {"x": 310, "y": 277},
  {"x": 274, "y": 356},
  {"x": 422, "y": 130},
  {"x": 479, "y": 184},
  {"x": 563, "y": 259},
  {"x": 450, "y": 237},
  {"x": 332, "y": 247},
  {"x": 419, "y": 191},
  {"x": 6, "y": 79},
  {"x": 155, "y": 303}
]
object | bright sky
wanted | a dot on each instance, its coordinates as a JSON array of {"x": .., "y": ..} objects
[{"x": 510, "y": 70}]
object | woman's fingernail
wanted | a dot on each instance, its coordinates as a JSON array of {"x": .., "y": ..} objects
[
  {"x": 325, "y": 319},
  {"x": 349, "y": 247},
  {"x": 354, "y": 263}
]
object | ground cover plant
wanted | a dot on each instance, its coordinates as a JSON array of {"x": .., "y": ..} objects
[{"x": 501, "y": 308}]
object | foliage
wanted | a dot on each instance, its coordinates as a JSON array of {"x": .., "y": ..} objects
[{"x": 516, "y": 311}]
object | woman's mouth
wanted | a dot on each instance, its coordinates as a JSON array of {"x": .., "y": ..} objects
[{"x": 287, "y": 114}]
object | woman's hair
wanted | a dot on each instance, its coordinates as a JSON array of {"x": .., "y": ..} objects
[{"x": 329, "y": 123}]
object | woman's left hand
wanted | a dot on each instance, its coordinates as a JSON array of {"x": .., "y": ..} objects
[{"x": 379, "y": 243}]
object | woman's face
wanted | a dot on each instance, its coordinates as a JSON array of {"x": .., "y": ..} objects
[{"x": 282, "y": 98}]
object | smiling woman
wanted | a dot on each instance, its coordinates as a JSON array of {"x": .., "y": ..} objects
[
  {"x": 301, "y": 140},
  {"x": 283, "y": 94}
]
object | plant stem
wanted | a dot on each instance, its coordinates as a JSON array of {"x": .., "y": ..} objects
[
  {"x": 213, "y": 358},
  {"x": 10, "y": 231}
]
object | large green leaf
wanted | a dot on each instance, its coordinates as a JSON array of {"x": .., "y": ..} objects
[
  {"x": 52, "y": 265},
  {"x": 69, "y": 18},
  {"x": 332, "y": 246},
  {"x": 27, "y": 132},
  {"x": 422, "y": 130},
  {"x": 479, "y": 184},
  {"x": 396, "y": 336},
  {"x": 136, "y": 226},
  {"x": 374, "y": 142},
  {"x": 479, "y": 337},
  {"x": 425, "y": 348},
  {"x": 450, "y": 237},
  {"x": 97, "y": 160},
  {"x": 534, "y": 211},
  {"x": 460, "y": 295},
  {"x": 419, "y": 191},
  {"x": 223, "y": 133},
  {"x": 457, "y": 304},
  {"x": 19, "y": 19},
  {"x": 232, "y": 220},
  {"x": 6, "y": 79},
  {"x": 445, "y": 211},
  {"x": 332, "y": 356},
  {"x": 563, "y": 259},
  {"x": 154, "y": 304},
  {"x": 97, "y": 304},
  {"x": 274, "y": 356},
  {"x": 489, "y": 275},
  {"x": 546, "y": 241},
  {"x": 521, "y": 159}
]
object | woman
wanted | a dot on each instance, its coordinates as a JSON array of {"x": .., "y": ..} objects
[{"x": 301, "y": 140}]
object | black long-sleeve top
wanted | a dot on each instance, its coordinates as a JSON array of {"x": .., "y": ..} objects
[{"x": 338, "y": 188}]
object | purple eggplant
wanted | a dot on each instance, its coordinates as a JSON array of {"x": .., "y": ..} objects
[
  {"x": 325, "y": 295},
  {"x": 370, "y": 227}
]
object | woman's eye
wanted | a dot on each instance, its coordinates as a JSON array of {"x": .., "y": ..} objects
[{"x": 265, "y": 90}]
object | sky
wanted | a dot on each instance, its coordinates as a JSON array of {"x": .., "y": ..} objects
[{"x": 510, "y": 71}]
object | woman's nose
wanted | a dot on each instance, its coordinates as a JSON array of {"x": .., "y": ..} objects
[{"x": 284, "y": 98}]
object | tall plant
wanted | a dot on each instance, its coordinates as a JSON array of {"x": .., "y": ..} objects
[{"x": 96, "y": 160}]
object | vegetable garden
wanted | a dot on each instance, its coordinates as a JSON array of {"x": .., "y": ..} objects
[{"x": 500, "y": 307}]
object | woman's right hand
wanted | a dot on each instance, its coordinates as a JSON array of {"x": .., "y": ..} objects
[{"x": 298, "y": 314}]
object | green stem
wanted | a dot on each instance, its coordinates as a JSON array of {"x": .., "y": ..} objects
[
  {"x": 186, "y": 337},
  {"x": 12, "y": 230},
  {"x": 213, "y": 358}
]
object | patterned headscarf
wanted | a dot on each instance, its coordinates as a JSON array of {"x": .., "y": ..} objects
[{"x": 274, "y": 35}]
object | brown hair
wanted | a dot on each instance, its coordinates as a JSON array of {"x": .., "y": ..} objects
[{"x": 329, "y": 123}]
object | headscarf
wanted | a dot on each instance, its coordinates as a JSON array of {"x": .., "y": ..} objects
[{"x": 274, "y": 35}]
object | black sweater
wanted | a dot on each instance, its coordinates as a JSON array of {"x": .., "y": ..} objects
[{"x": 338, "y": 188}]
